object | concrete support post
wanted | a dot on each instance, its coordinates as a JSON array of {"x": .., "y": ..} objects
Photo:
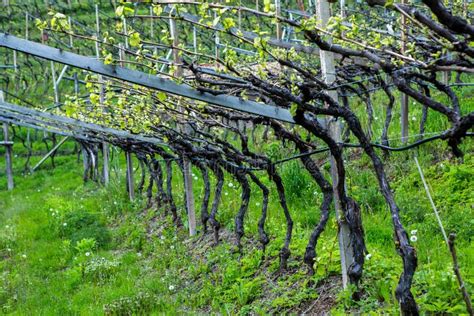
[
  {"x": 188, "y": 180},
  {"x": 328, "y": 71}
]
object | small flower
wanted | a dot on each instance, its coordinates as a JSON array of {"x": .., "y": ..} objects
[
  {"x": 226, "y": 193},
  {"x": 9, "y": 249},
  {"x": 195, "y": 178},
  {"x": 413, "y": 118},
  {"x": 139, "y": 254},
  {"x": 64, "y": 224},
  {"x": 23, "y": 256},
  {"x": 172, "y": 247},
  {"x": 171, "y": 287},
  {"x": 162, "y": 237},
  {"x": 7, "y": 226},
  {"x": 258, "y": 204},
  {"x": 413, "y": 232},
  {"x": 88, "y": 254},
  {"x": 368, "y": 256},
  {"x": 413, "y": 238},
  {"x": 231, "y": 185},
  {"x": 115, "y": 202}
]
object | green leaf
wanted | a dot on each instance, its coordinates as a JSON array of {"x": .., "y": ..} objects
[
  {"x": 135, "y": 39},
  {"x": 228, "y": 23},
  {"x": 267, "y": 5},
  {"x": 158, "y": 9},
  {"x": 95, "y": 99},
  {"x": 119, "y": 11},
  {"x": 161, "y": 96},
  {"x": 293, "y": 109},
  {"x": 108, "y": 59},
  {"x": 216, "y": 20}
]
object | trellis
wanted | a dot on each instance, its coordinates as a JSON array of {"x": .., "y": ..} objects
[{"x": 233, "y": 103}]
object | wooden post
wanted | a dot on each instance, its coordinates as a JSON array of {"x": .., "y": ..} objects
[
  {"x": 52, "y": 151},
  {"x": 404, "y": 98},
  {"x": 343, "y": 8},
  {"x": 125, "y": 31},
  {"x": 71, "y": 42},
  {"x": 216, "y": 41},
  {"x": 27, "y": 23},
  {"x": 152, "y": 22},
  {"x": 15, "y": 62},
  {"x": 55, "y": 86},
  {"x": 130, "y": 178},
  {"x": 105, "y": 146},
  {"x": 128, "y": 155},
  {"x": 278, "y": 24},
  {"x": 8, "y": 151},
  {"x": 195, "y": 45},
  {"x": 328, "y": 71},
  {"x": 188, "y": 180}
]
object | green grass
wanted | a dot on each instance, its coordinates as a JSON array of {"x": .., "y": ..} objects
[{"x": 147, "y": 268}]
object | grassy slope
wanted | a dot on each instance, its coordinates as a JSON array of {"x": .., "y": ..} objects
[{"x": 146, "y": 267}]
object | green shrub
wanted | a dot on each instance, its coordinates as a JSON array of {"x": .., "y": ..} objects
[{"x": 79, "y": 225}]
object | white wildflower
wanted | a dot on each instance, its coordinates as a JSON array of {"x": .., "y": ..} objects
[
  {"x": 139, "y": 254},
  {"x": 23, "y": 256},
  {"x": 231, "y": 185},
  {"x": 413, "y": 238},
  {"x": 172, "y": 247},
  {"x": 414, "y": 231},
  {"x": 368, "y": 256},
  {"x": 171, "y": 287},
  {"x": 88, "y": 254},
  {"x": 64, "y": 224},
  {"x": 413, "y": 118},
  {"x": 258, "y": 204}
]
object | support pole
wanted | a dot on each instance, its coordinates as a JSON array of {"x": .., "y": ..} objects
[
  {"x": 278, "y": 24},
  {"x": 130, "y": 178},
  {"x": 188, "y": 180},
  {"x": 27, "y": 25},
  {"x": 55, "y": 86},
  {"x": 152, "y": 26},
  {"x": 404, "y": 98},
  {"x": 328, "y": 71},
  {"x": 105, "y": 146},
  {"x": 8, "y": 151},
  {"x": 52, "y": 151}
]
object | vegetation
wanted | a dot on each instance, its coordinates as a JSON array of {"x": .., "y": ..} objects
[
  {"x": 72, "y": 248},
  {"x": 279, "y": 117}
]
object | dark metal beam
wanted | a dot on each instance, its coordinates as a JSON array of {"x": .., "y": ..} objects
[{"x": 141, "y": 78}]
